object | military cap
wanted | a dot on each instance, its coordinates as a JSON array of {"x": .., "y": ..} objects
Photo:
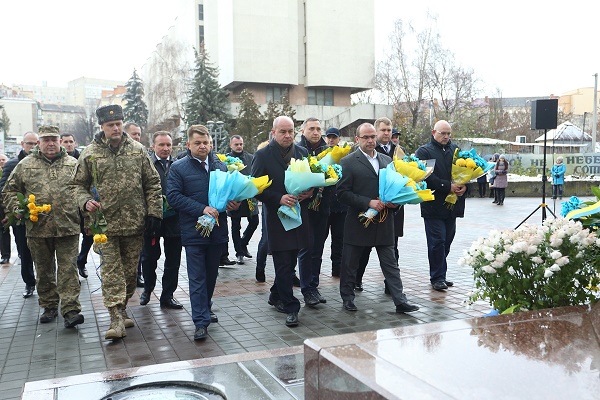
[
  {"x": 112, "y": 112},
  {"x": 48, "y": 130},
  {"x": 395, "y": 132}
]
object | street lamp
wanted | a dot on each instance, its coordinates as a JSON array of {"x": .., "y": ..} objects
[{"x": 216, "y": 129}]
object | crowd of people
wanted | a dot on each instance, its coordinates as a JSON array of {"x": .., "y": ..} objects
[{"x": 124, "y": 199}]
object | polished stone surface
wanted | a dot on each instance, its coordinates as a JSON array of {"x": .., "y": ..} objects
[{"x": 539, "y": 354}]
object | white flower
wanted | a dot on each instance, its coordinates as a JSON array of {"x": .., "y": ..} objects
[
  {"x": 556, "y": 242},
  {"x": 537, "y": 260},
  {"x": 562, "y": 261},
  {"x": 503, "y": 257},
  {"x": 531, "y": 250},
  {"x": 598, "y": 242},
  {"x": 555, "y": 255},
  {"x": 554, "y": 268},
  {"x": 511, "y": 270},
  {"x": 548, "y": 273},
  {"x": 489, "y": 256},
  {"x": 488, "y": 269}
]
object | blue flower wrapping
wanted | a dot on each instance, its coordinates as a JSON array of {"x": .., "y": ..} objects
[{"x": 296, "y": 183}]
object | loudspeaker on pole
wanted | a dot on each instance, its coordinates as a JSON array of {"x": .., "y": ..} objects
[{"x": 544, "y": 114}]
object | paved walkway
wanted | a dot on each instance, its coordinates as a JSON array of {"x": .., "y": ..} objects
[{"x": 30, "y": 351}]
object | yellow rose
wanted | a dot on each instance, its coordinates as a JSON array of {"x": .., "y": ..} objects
[
  {"x": 39, "y": 209},
  {"x": 33, "y": 218},
  {"x": 31, "y": 206},
  {"x": 31, "y": 198},
  {"x": 97, "y": 238},
  {"x": 34, "y": 212},
  {"x": 103, "y": 238},
  {"x": 47, "y": 208}
]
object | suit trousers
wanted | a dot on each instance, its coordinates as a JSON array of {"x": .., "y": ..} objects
[
  {"x": 336, "y": 225},
  {"x": 311, "y": 258},
  {"x": 263, "y": 244},
  {"x": 440, "y": 234},
  {"x": 283, "y": 288},
  {"x": 202, "y": 269},
  {"x": 4, "y": 242},
  {"x": 387, "y": 261},
  {"x": 26, "y": 260},
  {"x": 150, "y": 255},
  {"x": 241, "y": 242}
]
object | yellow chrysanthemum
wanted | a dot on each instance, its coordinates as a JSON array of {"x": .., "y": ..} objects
[
  {"x": 461, "y": 162},
  {"x": 31, "y": 198},
  {"x": 470, "y": 163},
  {"x": 222, "y": 157}
]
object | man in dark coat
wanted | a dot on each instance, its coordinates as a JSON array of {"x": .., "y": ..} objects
[
  {"x": 440, "y": 221},
  {"x": 240, "y": 242},
  {"x": 359, "y": 189},
  {"x": 187, "y": 192},
  {"x": 311, "y": 258},
  {"x": 273, "y": 161},
  {"x": 162, "y": 144},
  {"x": 29, "y": 141}
]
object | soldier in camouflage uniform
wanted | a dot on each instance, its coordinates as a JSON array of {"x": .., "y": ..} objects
[
  {"x": 46, "y": 173},
  {"x": 130, "y": 197}
]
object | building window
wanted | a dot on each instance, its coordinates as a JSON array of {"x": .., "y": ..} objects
[
  {"x": 320, "y": 97},
  {"x": 274, "y": 94},
  {"x": 201, "y": 12},
  {"x": 201, "y": 34}
]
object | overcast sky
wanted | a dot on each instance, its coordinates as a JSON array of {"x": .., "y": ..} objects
[{"x": 522, "y": 47}]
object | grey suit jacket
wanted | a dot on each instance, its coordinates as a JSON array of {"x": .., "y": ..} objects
[{"x": 357, "y": 187}]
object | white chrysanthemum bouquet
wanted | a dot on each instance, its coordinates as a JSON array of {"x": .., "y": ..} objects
[{"x": 533, "y": 267}]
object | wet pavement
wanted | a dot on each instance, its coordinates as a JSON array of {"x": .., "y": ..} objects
[{"x": 30, "y": 351}]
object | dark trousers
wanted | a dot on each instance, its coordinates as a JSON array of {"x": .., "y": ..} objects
[
  {"x": 482, "y": 187},
  {"x": 557, "y": 190},
  {"x": 26, "y": 261},
  {"x": 240, "y": 243},
  {"x": 311, "y": 258},
  {"x": 335, "y": 224},
  {"x": 4, "y": 242},
  {"x": 440, "y": 234},
  {"x": 86, "y": 245},
  {"x": 202, "y": 269},
  {"x": 283, "y": 288},
  {"x": 263, "y": 244},
  {"x": 364, "y": 260},
  {"x": 150, "y": 255},
  {"x": 389, "y": 268}
]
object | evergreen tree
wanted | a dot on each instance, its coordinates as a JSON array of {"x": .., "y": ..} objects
[
  {"x": 135, "y": 109},
  {"x": 206, "y": 100},
  {"x": 248, "y": 122}
]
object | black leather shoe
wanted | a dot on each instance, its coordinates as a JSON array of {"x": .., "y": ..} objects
[
  {"x": 201, "y": 333},
  {"x": 144, "y": 298},
  {"x": 406, "y": 307},
  {"x": 448, "y": 283},
  {"x": 296, "y": 281},
  {"x": 48, "y": 315},
  {"x": 319, "y": 296},
  {"x": 441, "y": 286},
  {"x": 5, "y": 260},
  {"x": 73, "y": 318},
  {"x": 82, "y": 271},
  {"x": 260, "y": 275},
  {"x": 240, "y": 260},
  {"x": 349, "y": 305},
  {"x": 226, "y": 261},
  {"x": 171, "y": 303},
  {"x": 358, "y": 287},
  {"x": 213, "y": 317},
  {"x": 246, "y": 253},
  {"x": 140, "y": 281},
  {"x": 292, "y": 319},
  {"x": 28, "y": 291},
  {"x": 310, "y": 299},
  {"x": 278, "y": 305}
]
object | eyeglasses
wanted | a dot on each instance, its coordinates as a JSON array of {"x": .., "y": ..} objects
[
  {"x": 371, "y": 137},
  {"x": 445, "y": 133},
  {"x": 30, "y": 143}
]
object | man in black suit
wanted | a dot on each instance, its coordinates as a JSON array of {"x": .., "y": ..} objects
[
  {"x": 383, "y": 126},
  {"x": 359, "y": 189},
  {"x": 273, "y": 160}
]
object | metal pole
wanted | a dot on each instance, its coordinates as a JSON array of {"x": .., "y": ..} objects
[
  {"x": 544, "y": 180},
  {"x": 595, "y": 119}
]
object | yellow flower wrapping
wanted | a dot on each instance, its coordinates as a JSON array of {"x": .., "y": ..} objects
[{"x": 404, "y": 168}]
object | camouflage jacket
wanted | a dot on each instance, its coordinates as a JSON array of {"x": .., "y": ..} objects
[
  {"x": 128, "y": 186},
  {"x": 48, "y": 180}
]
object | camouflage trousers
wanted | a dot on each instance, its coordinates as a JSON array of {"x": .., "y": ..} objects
[
  {"x": 121, "y": 255},
  {"x": 54, "y": 284}
]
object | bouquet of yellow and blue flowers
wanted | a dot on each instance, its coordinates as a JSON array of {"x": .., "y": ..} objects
[
  {"x": 466, "y": 165},
  {"x": 27, "y": 209},
  {"x": 398, "y": 189},
  {"x": 298, "y": 178},
  {"x": 333, "y": 155},
  {"x": 332, "y": 173},
  {"x": 224, "y": 187},
  {"x": 232, "y": 163}
]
